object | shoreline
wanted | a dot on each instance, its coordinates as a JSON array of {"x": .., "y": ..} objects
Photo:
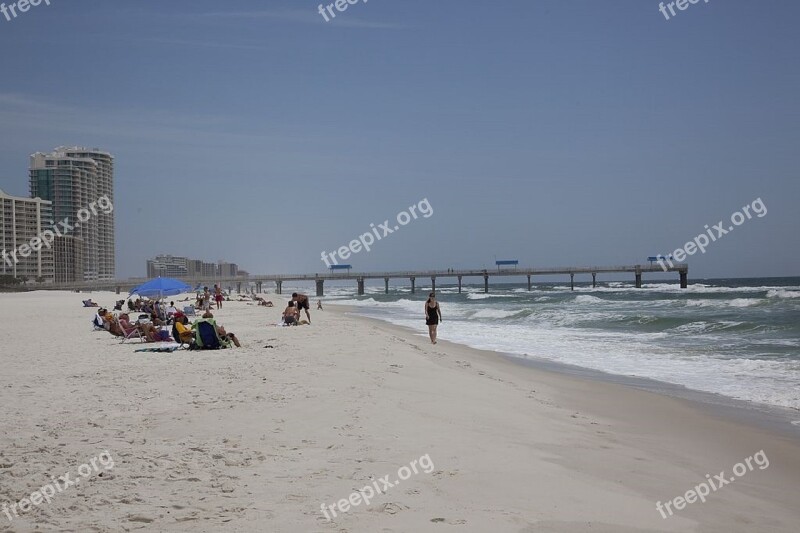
[{"x": 777, "y": 419}]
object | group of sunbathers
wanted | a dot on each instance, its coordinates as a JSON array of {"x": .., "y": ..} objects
[
  {"x": 151, "y": 326},
  {"x": 121, "y": 326}
]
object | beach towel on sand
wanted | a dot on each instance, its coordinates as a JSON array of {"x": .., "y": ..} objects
[{"x": 162, "y": 348}]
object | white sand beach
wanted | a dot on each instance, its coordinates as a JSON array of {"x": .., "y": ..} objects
[{"x": 257, "y": 438}]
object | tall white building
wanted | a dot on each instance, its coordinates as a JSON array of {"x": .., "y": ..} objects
[
  {"x": 22, "y": 221},
  {"x": 71, "y": 179}
]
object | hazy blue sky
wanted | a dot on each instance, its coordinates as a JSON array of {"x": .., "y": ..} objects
[{"x": 554, "y": 132}]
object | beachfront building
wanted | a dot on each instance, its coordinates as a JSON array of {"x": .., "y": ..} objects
[
  {"x": 22, "y": 220},
  {"x": 167, "y": 266},
  {"x": 227, "y": 270},
  {"x": 73, "y": 179},
  {"x": 170, "y": 266}
]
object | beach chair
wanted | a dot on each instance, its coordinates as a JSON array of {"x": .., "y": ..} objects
[
  {"x": 189, "y": 310},
  {"x": 133, "y": 333},
  {"x": 206, "y": 336},
  {"x": 177, "y": 337}
]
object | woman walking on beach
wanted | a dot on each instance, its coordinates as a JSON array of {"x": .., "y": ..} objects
[{"x": 433, "y": 315}]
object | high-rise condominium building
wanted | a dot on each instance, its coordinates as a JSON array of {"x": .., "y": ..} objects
[
  {"x": 72, "y": 179},
  {"x": 183, "y": 267},
  {"x": 22, "y": 222}
]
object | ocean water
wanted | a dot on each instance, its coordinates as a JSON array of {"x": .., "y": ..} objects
[{"x": 736, "y": 337}]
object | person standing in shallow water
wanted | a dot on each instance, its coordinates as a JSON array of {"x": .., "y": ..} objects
[{"x": 433, "y": 315}]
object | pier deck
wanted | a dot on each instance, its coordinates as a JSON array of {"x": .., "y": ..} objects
[{"x": 359, "y": 277}]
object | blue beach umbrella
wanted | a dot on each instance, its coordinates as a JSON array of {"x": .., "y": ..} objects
[{"x": 161, "y": 287}]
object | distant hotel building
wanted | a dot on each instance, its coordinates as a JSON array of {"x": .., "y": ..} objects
[
  {"x": 71, "y": 179},
  {"x": 168, "y": 266},
  {"x": 21, "y": 220}
]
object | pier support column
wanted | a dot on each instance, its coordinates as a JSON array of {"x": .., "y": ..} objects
[
  {"x": 486, "y": 283},
  {"x": 278, "y": 287},
  {"x": 459, "y": 284},
  {"x": 572, "y": 282},
  {"x": 684, "y": 279},
  {"x": 320, "y": 287},
  {"x": 638, "y": 278},
  {"x": 360, "y": 286},
  {"x": 386, "y": 285},
  {"x": 433, "y": 283},
  {"x": 594, "y": 280},
  {"x": 413, "y": 284},
  {"x": 529, "y": 283}
]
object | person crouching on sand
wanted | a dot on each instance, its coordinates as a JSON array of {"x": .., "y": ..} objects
[
  {"x": 301, "y": 301},
  {"x": 433, "y": 315},
  {"x": 290, "y": 315}
]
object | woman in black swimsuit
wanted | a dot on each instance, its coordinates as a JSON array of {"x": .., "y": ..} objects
[{"x": 433, "y": 315}]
